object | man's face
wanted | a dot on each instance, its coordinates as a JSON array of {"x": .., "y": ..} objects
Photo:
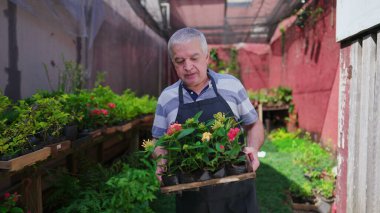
[{"x": 190, "y": 63}]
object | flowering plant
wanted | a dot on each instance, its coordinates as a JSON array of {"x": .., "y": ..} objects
[
  {"x": 197, "y": 145},
  {"x": 8, "y": 203}
]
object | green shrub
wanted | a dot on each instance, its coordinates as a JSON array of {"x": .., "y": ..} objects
[
  {"x": 316, "y": 163},
  {"x": 272, "y": 97},
  {"x": 120, "y": 188}
]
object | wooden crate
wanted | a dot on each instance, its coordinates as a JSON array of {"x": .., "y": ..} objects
[
  {"x": 147, "y": 119},
  {"x": 109, "y": 130},
  {"x": 60, "y": 147},
  {"x": 19, "y": 163},
  {"x": 125, "y": 127},
  {"x": 96, "y": 133},
  {"x": 216, "y": 181}
]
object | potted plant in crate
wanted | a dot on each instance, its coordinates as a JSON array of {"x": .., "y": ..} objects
[
  {"x": 225, "y": 141},
  {"x": 196, "y": 147}
]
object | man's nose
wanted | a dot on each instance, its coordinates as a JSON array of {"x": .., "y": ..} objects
[{"x": 187, "y": 65}]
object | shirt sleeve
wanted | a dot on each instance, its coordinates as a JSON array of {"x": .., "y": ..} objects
[
  {"x": 247, "y": 112},
  {"x": 159, "y": 123}
]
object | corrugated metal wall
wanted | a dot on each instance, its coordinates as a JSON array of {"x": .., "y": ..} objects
[
  {"x": 34, "y": 33},
  {"x": 133, "y": 55}
]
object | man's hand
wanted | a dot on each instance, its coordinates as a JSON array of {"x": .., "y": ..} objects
[
  {"x": 159, "y": 172},
  {"x": 252, "y": 158},
  {"x": 159, "y": 152},
  {"x": 255, "y": 139}
]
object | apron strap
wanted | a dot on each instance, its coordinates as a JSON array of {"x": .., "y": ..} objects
[{"x": 180, "y": 90}]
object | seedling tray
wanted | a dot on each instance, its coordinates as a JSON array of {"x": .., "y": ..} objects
[
  {"x": 19, "y": 163},
  {"x": 216, "y": 181}
]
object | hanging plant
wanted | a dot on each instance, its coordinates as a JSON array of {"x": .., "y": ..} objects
[
  {"x": 229, "y": 67},
  {"x": 309, "y": 14}
]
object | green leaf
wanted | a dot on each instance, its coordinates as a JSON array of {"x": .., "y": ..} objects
[
  {"x": 210, "y": 150},
  {"x": 185, "y": 132},
  {"x": 173, "y": 148},
  {"x": 196, "y": 116},
  {"x": 217, "y": 146},
  {"x": 16, "y": 210}
]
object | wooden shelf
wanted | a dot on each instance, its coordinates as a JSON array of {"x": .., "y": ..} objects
[
  {"x": 194, "y": 185},
  {"x": 19, "y": 163}
]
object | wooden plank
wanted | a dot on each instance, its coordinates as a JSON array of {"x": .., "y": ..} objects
[
  {"x": 353, "y": 132},
  {"x": 370, "y": 51},
  {"x": 96, "y": 133},
  {"x": 125, "y": 127},
  {"x": 216, "y": 181},
  {"x": 32, "y": 193},
  {"x": 109, "y": 130},
  {"x": 114, "y": 151},
  {"x": 377, "y": 123},
  {"x": 260, "y": 109},
  {"x": 365, "y": 102},
  {"x": 373, "y": 201},
  {"x": 18, "y": 163},
  {"x": 112, "y": 140},
  {"x": 147, "y": 119},
  {"x": 58, "y": 148},
  {"x": 345, "y": 78}
]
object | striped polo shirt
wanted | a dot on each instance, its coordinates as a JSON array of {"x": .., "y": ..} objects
[{"x": 229, "y": 87}]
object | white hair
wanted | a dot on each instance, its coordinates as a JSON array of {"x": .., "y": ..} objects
[{"x": 184, "y": 35}]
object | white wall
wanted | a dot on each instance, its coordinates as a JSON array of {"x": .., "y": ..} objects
[
  {"x": 38, "y": 42},
  {"x": 355, "y": 16}
]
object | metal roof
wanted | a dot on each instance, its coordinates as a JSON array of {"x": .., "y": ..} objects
[{"x": 231, "y": 21}]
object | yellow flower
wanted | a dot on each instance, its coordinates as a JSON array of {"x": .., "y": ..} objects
[
  {"x": 202, "y": 127},
  {"x": 190, "y": 121},
  {"x": 220, "y": 117},
  {"x": 217, "y": 124},
  {"x": 206, "y": 136},
  {"x": 148, "y": 144}
]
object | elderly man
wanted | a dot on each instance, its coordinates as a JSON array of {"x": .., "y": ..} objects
[{"x": 201, "y": 89}]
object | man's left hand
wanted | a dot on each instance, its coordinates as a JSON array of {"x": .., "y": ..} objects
[{"x": 252, "y": 158}]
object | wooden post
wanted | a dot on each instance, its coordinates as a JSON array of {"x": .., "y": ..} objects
[
  {"x": 260, "y": 112},
  {"x": 32, "y": 193}
]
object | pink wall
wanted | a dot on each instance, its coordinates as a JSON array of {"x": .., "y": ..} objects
[
  {"x": 253, "y": 60},
  {"x": 254, "y": 65},
  {"x": 309, "y": 64}
]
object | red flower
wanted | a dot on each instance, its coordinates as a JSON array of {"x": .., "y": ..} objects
[
  {"x": 104, "y": 111},
  {"x": 7, "y": 195},
  {"x": 221, "y": 147},
  {"x": 96, "y": 112},
  {"x": 174, "y": 128},
  {"x": 232, "y": 134},
  {"x": 15, "y": 198},
  {"x": 88, "y": 104},
  {"x": 111, "y": 105}
]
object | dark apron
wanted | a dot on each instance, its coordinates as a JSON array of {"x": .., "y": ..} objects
[{"x": 235, "y": 197}]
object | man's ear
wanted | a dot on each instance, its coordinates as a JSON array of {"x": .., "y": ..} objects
[{"x": 208, "y": 56}]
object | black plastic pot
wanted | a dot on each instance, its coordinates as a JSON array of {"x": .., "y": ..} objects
[
  {"x": 186, "y": 178},
  {"x": 203, "y": 175},
  {"x": 220, "y": 173},
  {"x": 170, "y": 180},
  {"x": 236, "y": 169},
  {"x": 71, "y": 132}
]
